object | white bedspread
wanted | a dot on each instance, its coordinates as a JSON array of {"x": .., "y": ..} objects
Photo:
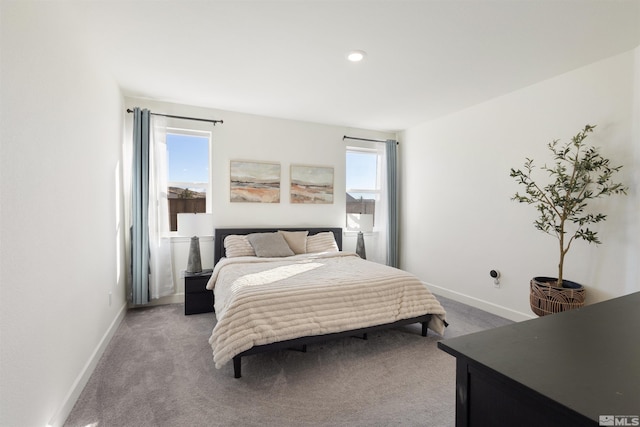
[{"x": 265, "y": 300}]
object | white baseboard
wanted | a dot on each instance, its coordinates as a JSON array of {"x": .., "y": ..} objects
[
  {"x": 70, "y": 399},
  {"x": 176, "y": 298},
  {"x": 487, "y": 306}
]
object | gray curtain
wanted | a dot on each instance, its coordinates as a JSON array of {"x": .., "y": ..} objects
[
  {"x": 392, "y": 186},
  {"x": 140, "y": 208}
]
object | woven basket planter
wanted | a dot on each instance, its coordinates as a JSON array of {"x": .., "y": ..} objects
[{"x": 546, "y": 299}]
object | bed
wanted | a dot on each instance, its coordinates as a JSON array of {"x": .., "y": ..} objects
[{"x": 271, "y": 296}]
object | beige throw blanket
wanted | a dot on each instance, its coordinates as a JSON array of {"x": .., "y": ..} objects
[{"x": 265, "y": 300}]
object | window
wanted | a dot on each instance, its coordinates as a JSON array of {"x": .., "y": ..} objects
[
  {"x": 188, "y": 180},
  {"x": 362, "y": 182}
]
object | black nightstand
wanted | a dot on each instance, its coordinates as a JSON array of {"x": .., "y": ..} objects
[{"x": 197, "y": 299}]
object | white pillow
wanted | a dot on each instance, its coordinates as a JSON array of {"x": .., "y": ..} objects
[
  {"x": 236, "y": 245},
  {"x": 322, "y": 242},
  {"x": 297, "y": 240}
]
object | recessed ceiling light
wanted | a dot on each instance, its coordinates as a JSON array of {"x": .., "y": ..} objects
[{"x": 356, "y": 55}]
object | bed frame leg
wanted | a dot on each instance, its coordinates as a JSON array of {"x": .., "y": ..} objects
[
  {"x": 424, "y": 329},
  {"x": 237, "y": 367}
]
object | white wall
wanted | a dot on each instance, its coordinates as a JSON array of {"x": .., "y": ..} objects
[
  {"x": 250, "y": 137},
  {"x": 458, "y": 221},
  {"x": 60, "y": 258}
]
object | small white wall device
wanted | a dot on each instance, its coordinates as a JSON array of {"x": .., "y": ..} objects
[{"x": 496, "y": 277}]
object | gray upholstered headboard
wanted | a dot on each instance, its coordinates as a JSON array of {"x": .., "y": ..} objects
[{"x": 221, "y": 233}]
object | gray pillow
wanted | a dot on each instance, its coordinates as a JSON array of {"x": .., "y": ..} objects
[{"x": 269, "y": 245}]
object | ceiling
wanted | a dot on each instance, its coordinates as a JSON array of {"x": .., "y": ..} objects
[{"x": 425, "y": 59}]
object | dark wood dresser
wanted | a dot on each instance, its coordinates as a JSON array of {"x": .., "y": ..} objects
[{"x": 576, "y": 368}]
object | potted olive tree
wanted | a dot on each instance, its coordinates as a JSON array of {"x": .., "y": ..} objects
[{"x": 580, "y": 174}]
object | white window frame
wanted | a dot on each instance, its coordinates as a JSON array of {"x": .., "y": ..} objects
[
  {"x": 206, "y": 185},
  {"x": 377, "y": 192}
]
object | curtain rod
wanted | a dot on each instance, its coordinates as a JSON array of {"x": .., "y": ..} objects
[
  {"x": 365, "y": 139},
  {"x": 182, "y": 117}
]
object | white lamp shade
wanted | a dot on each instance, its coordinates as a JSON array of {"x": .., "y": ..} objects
[
  {"x": 360, "y": 222},
  {"x": 195, "y": 224}
]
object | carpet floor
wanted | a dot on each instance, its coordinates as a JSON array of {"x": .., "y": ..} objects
[{"x": 158, "y": 371}]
